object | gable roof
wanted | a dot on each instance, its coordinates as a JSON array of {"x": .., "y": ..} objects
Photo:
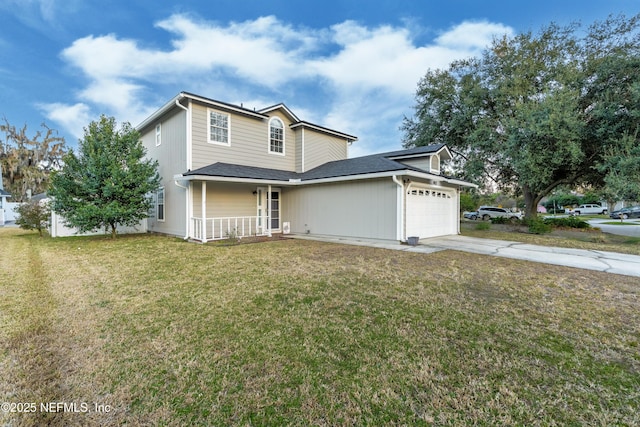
[
  {"x": 347, "y": 168},
  {"x": 283, "y": 108},
  {"x": 262, "y": 114}
]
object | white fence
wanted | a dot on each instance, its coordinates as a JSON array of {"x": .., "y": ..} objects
[{"x": 59, "y": 229}]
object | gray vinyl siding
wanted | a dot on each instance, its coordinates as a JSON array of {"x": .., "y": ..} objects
[
  {"x": 172, "y": 159},
  {"x": 225, "y": 200},
  {"x": 423, "y": 163},
  {"x": 249, "y": 142},
  {"x": 362, "y": 209},
  {"x": 320, "y": 148}
]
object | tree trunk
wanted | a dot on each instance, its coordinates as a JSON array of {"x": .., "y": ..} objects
[
  {"x": 113, "y": 230},
  {"x": 531, "y": 201}
]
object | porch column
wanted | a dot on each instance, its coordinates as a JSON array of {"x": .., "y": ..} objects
[
  {"x": 204, "y": 211},
  {"x": 269, "y": 210}
]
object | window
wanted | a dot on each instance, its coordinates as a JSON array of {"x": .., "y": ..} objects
[
  {"x": 158, "y": 134},
  {"x": 160, "y": 204},
  {"x": 276, "y": 136},
  {"x": 218, "y": 128}
]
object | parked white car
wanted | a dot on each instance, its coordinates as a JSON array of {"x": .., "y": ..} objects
[
  {"x": 488, "y": 212},
  {"x": 588, "y": 209}
]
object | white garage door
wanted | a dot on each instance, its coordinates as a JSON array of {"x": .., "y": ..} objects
[{"x": 431, "y": 212}]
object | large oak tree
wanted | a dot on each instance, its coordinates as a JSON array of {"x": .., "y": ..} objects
[
  {"x": 537, "y": 111},
  {"x": 27, "y": 161}
]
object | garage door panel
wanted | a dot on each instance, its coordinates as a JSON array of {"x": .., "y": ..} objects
[{"x": 430, "y": 212}]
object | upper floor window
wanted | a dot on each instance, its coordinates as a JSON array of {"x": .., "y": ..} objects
[
  {"x": 158, "y": 134},
  {"x": 276, "y": 136},
  {"x": 218, "y": 127}
]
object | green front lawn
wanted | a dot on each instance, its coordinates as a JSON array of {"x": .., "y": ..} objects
[{"x": 304, "y": 333}]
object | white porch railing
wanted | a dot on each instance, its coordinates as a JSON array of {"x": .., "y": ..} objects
[
  {"x": 1, "y": 215},
  {"x": 228, "y": 227}
]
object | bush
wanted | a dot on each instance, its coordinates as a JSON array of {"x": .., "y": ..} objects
[
  {"x": 570, "y": 222},
  {"x": 504, "y": 220},
  {"x": 538, "y": 226},
  {"x": 499, "y": 220},
  {"x": 33, "y": 215}
]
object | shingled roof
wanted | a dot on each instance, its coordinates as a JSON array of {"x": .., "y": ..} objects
[{"x": 374, "y": 163}]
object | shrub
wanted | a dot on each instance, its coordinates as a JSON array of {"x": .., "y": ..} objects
[
  {"x": 33, "y": 215},
  {"x": 569, "y": 222},
  {"x": 499, "y": 220},
  {"x": 538, "y": 226},
  {"x": 505, "y": 220}
]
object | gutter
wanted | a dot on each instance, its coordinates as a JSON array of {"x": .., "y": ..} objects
[{"x": 435, "y": 179}]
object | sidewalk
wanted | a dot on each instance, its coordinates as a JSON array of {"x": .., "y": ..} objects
[{"x": 609, "y": 262}]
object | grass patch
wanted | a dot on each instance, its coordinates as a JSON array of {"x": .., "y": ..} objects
[
  {"x": 620, "y": 223},
  {"x": 306, "y": 333}
]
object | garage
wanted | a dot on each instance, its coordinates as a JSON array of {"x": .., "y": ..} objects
[{"x": 431, "y": 211}]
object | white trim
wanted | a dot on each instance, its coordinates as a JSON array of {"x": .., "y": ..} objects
[
  {"x": 209, "y": 140},
  {"x": 204, "y": 211},
  {"x": 302, "y": 149},
  {"x": 303, "y": 124},
  {"x": 400, "y": 196},
  {"x": 272, "y": 119},
  {"x": 158, "y": 134},
  {"x": 436, "y": 179},
  {"x": 282, "y": 107},
  {"x": 164, "y": 205}
]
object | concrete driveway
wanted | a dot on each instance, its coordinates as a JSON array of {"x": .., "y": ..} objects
[{"x": 610, "y": 262}]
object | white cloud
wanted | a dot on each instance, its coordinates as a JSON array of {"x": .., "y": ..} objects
[
  {"x": 474, "y": 35},
  {"x": 73, "y": 118},
  {"x": 369, "y": 75}
]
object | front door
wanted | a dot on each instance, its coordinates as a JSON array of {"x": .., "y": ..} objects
[{"x": 263, "y": 203}]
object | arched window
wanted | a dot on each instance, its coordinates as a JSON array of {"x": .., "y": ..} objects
[{"x": 276, "y": 136}]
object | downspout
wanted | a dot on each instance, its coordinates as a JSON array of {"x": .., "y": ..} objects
[
  {"x": 400, "y": 230},
  {"x": 189, "y": 164}
]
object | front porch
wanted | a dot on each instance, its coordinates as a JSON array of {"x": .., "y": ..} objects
[{"x": 221, "y": 210}]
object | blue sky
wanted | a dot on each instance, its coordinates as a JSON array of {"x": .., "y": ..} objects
[{"x": 349, "y": 65}]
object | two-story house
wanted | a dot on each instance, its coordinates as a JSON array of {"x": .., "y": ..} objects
[{"x": 231, "y": 171}]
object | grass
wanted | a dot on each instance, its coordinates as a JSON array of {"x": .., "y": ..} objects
[
  {"x": 621, "y": 222},
  {"x": 306, "y": 333}
]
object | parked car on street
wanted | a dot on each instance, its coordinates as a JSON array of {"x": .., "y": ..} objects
[
  {"x": 488, "y": 212},
  {"x": 626, "y": 213},
  {"x": 588, "y": 209},
  {"x": 470, "y": 215}
]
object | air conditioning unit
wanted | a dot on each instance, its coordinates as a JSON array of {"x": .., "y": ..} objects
[{"x": 286, "y": 227}]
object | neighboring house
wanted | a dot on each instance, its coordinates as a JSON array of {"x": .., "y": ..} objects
[
  {"x": 3, "y": 202},
  {"x": 230, "y": 171}
]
